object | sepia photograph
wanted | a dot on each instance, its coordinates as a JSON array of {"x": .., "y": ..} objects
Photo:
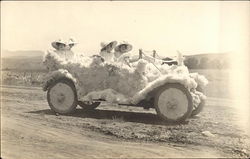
[{"x": 125, "y": 79}]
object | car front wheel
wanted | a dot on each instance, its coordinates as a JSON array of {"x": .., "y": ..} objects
[{"x": 173, "y": 103}]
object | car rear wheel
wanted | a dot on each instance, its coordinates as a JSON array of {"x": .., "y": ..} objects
[
  {"x": 173, "y": 103},
  {"x": 62, "y": 96}
]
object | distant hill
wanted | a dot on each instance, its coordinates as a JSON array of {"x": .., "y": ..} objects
[
  {"x": 22, "y": 60},
  {"x": 32, "y": 60},
  {"x": 23, "y": 63},
  {"x": 210, "y": 55},
  {"x": 21, "y": 53},
  {"x": 208, "y": 61}
]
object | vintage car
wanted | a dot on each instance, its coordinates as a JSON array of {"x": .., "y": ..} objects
[{"x": 172, "y": 91}]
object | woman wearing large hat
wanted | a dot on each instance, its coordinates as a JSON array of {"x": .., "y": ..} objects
[
  {"x": 58, "y": 44},
  {"x": 63, "y": 49},
  {"x": 122, "y": 52},
  {"x": 71, "y": 43},
  {"x": 122, "y": 48},
  {"x": 107, "y": 50}
]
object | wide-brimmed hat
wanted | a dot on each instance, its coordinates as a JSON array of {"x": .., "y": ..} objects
[
  {"x": 72, "y": 41},
  {"x": 108, "y": 46},
  {"x": 55, "y": 44},
  {"x": 120, "y": 48}
]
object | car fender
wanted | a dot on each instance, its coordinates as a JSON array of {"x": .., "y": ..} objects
[
  {"x": 200, "y": 80},
  {"x": 56, "y": 75},
  {"x": 153, "y": 87}
]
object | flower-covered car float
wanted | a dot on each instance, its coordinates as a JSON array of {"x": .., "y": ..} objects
[{"x": 87, "y": 81}]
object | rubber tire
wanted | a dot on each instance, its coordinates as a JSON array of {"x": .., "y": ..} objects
[
  {"x": 72, "y": 86},
  {"x": 201, "y": 105},
  {"x": 199, "y": 108},
  {"x": 87, "y": 106},
  {"x": 189, "y": 98}
]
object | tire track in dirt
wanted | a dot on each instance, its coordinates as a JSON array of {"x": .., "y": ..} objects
[{"x": 41, "y": 134}]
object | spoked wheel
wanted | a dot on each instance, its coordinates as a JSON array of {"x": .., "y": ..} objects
[
  {"x": 173, "y": 103},
  {"x": 62, "y": 96},
  {"x": 200, "y": 107},
  {"x": 88, "y": 106}
]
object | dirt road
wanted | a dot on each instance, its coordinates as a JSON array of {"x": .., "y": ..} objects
[{"x": 31, "y": 130}]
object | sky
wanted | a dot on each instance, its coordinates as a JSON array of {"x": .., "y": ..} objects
[{"x": 188, "y": 26}]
